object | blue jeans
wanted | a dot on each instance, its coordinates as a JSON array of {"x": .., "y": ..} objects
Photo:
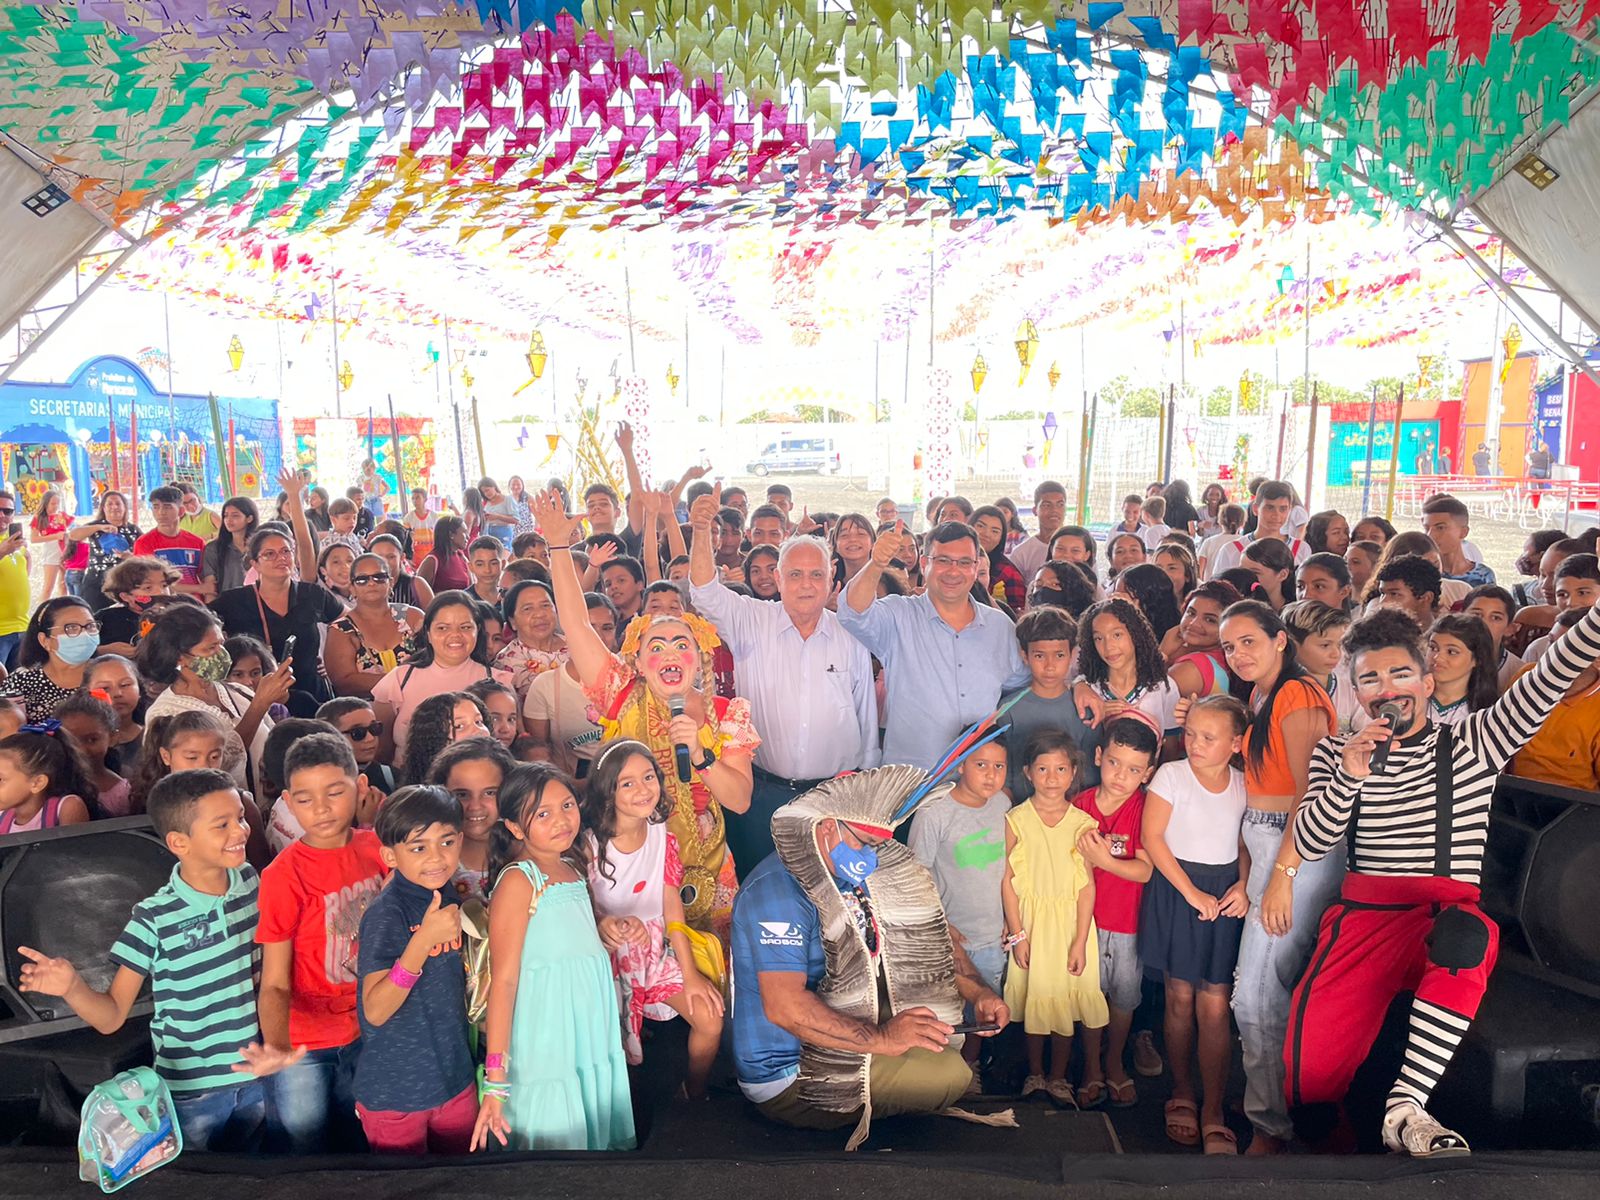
[
  {"x": 226, "y": 1119},
  {"x": 1269, "y": 966},
  {"x": 74, "y": 582},
  {"x": 8, "y": 648},
  {"x": 314, "y": 1102}
]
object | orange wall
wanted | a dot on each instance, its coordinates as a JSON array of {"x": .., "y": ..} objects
[{"x": 1516, "y": 396}]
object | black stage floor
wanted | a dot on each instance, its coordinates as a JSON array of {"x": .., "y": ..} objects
[{"x": 721, "y": 1148}]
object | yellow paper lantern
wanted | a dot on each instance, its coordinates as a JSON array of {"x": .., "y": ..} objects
[
  {"x": 346, "y": 376},
  {"x": 1027, "y": 346},
  {"x": 980, "y": 372},
  {"x": 1054, "y": 376},
  {"x": 672, "y": 379},
  {"x": 537, "y": 355},
  {"x": 235, "y": 353}
]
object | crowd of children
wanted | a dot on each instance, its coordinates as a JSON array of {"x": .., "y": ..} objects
[{"x": 433, "y": 912}]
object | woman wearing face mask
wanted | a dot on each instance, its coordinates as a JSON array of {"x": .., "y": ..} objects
[
  {"x": 111, "y": 535},
  {"x": 133, "y": 583},
  {"x": 184, "y": 651},
  {"x": 62, "y": 636}
]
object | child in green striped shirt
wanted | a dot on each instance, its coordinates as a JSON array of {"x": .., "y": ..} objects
[{"x": 194, "y": 939}]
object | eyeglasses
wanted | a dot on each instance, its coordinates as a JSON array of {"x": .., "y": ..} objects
[
  {"x": 73, "y": 629},
  {"x": 944, "y": 562},
  {"x": 359, "y": 580},
  {"x": 274, "y": 555},
  {"x": 6, "y": 512},
  {"x": 360, "y": 733}
]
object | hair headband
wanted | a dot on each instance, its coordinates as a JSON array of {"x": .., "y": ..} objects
[
  {"x": 49, "y": 727},
  {"x": 620, "y": 742},
  {"x": 1138, "y": 714}
]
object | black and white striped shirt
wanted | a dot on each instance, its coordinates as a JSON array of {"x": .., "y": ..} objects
[{"x": 1403, "y": 826}]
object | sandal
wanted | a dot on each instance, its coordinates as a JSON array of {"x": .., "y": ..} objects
[
  {"x": 1092, "y": 1094},
  {"x": 1124, "y": 1094},
  {"x": 1183, "y": 1122},
  {"x": 1226, "y": 1142}
]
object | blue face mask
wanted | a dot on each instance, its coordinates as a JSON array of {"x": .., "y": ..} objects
[
  {"x": 852, "y": 865},
  {"x": 77, "y": 649}
]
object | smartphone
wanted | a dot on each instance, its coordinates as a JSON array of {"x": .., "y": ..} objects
[
  {"x": 288, "y": 647},
  {"x": 15, "y": 530},
  {"x": 976, "y": 1027}
]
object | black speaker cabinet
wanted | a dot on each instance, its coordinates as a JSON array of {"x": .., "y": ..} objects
[
  {"x": 69, "y": 892},
  {"x": 1541, "y": 881}
]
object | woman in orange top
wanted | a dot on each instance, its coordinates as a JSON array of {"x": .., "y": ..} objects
[{"x": 1290, "y": 714}]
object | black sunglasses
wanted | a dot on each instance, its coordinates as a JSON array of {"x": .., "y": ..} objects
[
  {"x": 6, "y": 512},
  {"x": 382, "y": 577},
  {"x": 360, "y": 733}
]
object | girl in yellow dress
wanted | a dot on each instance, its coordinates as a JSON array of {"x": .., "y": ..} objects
[{"x": 1048, "y": 890}]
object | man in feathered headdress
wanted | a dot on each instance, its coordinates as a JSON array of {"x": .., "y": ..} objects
[{"x": 848, "y": 980}]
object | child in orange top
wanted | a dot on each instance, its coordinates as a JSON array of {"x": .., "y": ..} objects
[{"x": 1566, "y": 750}]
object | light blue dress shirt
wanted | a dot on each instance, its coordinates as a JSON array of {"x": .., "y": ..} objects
[{"x": 938, "y": 680}]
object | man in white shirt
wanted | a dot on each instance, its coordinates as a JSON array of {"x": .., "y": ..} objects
[
  {"x": 1050, "y": 509},
  {"x": 1273, "y": 502},
  {"x": 809, "y": 683}
]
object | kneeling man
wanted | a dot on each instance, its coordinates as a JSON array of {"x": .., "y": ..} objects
[{"x": 848, "y": 981}]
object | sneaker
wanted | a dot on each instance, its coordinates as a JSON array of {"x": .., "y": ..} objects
[
  {"x": 1146, "y": 1058},
  {"x": 974, "y": 1086},
  {"x": 1408, "y": 1129},
  {"x": 1032, "y": 1086},
  {"x": 1060, "y": 1092}
]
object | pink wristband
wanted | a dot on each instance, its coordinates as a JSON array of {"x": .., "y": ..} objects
[
  {"x": 494, "y": 1062},
  {"x": 403, "y": 978}
]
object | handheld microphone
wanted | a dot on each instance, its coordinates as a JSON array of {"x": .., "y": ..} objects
[
  {"x": 1391, "y": 712},
  {"x": 679, "y": 751}
]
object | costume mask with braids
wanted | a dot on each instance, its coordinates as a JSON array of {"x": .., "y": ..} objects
[{"x": 644, "y": 715}]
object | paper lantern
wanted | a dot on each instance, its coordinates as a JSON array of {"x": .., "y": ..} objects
[
  {"x": 537, "y": 355},
  {"x": 1053, "y": 375},
  {"x": 672, "y": 379},
  {"x": 980, "y": 372},
  {"x": 1027, "y": 346},
  {"x": 235, "y": 353},
  {"x": 346, "y": 376}
]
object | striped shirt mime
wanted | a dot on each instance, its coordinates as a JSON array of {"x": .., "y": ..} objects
[{"x": 1398, "y": 822}]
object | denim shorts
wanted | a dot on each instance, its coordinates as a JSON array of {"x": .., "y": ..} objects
[{"x": 1121, "y": 976}]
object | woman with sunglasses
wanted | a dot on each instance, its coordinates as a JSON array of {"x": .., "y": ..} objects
[{"x": 374, "y": 637}]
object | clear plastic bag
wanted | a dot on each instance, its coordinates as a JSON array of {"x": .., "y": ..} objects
[{"x": 128, "y": 1128}]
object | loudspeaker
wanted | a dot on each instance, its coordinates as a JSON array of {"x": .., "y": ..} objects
[
  {"x": 69, "y": 892},
  {"x": 1541, "y": 880}
]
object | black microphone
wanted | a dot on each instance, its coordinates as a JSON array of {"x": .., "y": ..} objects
[
  {"x": 1391, "y": 712},
  {"x": 680, "y": 751}
]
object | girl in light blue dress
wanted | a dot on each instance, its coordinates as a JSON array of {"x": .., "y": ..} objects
[{"x": 555, "y": 1077}]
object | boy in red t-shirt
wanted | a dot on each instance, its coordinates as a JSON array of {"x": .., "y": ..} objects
[
  {"x": 173, "y": 545},
  {"x": 1127, "y": 759},
  {"x": 313, "y": 896}
]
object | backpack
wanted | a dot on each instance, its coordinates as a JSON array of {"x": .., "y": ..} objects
[{"x": 127, "y": 1129}]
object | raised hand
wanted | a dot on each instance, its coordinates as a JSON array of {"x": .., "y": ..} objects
[
  {"x": 441, "y": 924},
  {"x": 275, "y": 687},
  {"x": 806, "y": 525},
  {"x": 625, "y": 437},
  {"x": 601, "y": 554},
  {"x": 887, "y": 547},
  {"x": 705, "y": 509},
  {"x": 558, "y": 527},
  {"x": 289, "y": 482}
]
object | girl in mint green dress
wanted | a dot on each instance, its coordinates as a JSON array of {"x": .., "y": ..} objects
[{"x": 556, "y": 1077}]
